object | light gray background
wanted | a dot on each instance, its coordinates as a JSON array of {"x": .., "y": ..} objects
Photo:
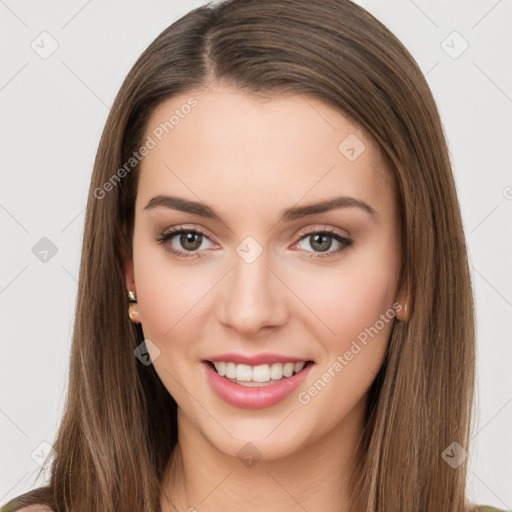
[{"x": 53, "y": 112}]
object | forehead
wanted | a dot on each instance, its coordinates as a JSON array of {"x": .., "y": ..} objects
[{"x": 226, "y": 145}]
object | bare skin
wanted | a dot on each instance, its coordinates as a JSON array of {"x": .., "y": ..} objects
[{"x": 249, "y": 159}]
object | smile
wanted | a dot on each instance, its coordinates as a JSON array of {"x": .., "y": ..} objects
[
  {"x": 251, "y": 387},
  {"x": 261, "y": 375}
]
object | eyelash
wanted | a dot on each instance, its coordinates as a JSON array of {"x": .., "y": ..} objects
[{"x": 164, "y": 237}]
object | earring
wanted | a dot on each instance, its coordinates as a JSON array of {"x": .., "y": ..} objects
[
  {"x": 132, "y": 312},
  {"x": 405, "y": 314},
  {"x": 134, "y": 315}
]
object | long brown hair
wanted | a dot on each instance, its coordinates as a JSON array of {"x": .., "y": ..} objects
[{"x": 119, "y": 427}]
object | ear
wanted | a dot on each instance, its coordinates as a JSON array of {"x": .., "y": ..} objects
[
  {"x": 403, "y": 309},
  {"x": 129, "y": 275},
  {"x": 128, "y": 264}
]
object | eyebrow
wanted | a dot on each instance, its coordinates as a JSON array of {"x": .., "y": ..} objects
[{"x": 288, "y": 215}]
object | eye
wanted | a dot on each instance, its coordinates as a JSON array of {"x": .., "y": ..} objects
[
  {"x": 322, "y": 240},
  {"x": 191, "y": 240}
]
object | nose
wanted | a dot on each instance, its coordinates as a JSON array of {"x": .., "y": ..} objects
[{"x": 254, "y": 297}]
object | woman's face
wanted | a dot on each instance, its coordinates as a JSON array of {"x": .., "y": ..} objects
[{"x": 260, "y": 276}]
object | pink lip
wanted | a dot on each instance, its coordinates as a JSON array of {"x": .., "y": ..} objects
[
  {"x": 256, "y": 359},
  {"x": 247, "y": 397}
]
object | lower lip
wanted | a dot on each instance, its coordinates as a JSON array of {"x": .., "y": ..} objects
[{"x": 247, "y": 397}]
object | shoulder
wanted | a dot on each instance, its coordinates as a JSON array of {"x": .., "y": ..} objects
[
  {"x": 31, "y": 501},
  {"x": 10, "y": 507},
  {"x": 485, "y": 508},
  {"x": 29, "y": 508}
]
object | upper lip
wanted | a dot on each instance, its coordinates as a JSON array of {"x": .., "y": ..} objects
[{"x": 256, "y": 359}]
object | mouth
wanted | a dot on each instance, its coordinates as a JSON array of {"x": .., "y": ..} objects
[
  {"x": 255, "y": 386},
  {"x": 258, "y": 375}
]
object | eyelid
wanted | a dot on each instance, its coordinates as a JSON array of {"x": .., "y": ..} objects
[
  {"x": 194, "y": 228},
  {"x": 205, "y": 232},
  {"x": 324, "y": 229}
]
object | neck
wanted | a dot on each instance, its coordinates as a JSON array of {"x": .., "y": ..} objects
[{"x": 317, "y": 477}]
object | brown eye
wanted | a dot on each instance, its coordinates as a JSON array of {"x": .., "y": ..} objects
[
  {"x": 183, "y": 243},
  {"x": 191, "y": 241},
  {"x": 321, "y": 241}
]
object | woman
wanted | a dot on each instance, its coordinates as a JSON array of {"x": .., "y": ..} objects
[{"x": 274, "y": 305}]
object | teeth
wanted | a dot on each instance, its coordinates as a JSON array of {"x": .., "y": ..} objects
[
  {"x": 221, "y": 368},
  {"x": 230, "y": 370},
  {"x": 261, "y": 373},
  {"x": 298, "y": 366},
  {"x": 276, "y": 371},
  {"x": 243, "y": 372},
  {"x": 257, "y": 374},
  {"x": 288, "y": 369}
]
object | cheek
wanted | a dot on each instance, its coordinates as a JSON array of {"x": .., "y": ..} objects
[
  {"x": 350, "y": 297},
  {"x": 366, "y": 297},
  {"x": 356, "y": 304},
  {"x": 169, "y": 298},
  {"x": 167, "y": 292}
]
